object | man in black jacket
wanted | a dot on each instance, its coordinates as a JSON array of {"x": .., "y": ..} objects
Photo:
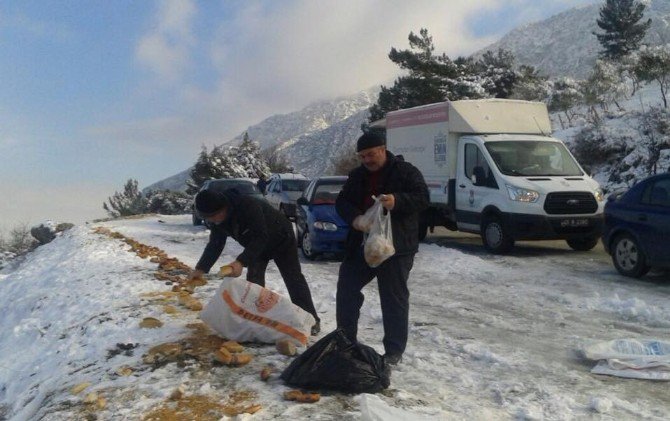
[
  {"x": 403, "y": 192},
  {"x": 264, "y": 233}
]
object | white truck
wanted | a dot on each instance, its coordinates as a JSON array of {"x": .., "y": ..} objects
[{"x": 493, "y": 169}]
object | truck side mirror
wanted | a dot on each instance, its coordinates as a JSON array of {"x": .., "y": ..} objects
[{"x": 302, "y": 201}]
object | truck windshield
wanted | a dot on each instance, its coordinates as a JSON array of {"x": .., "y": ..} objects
[{"x": 533, "y": 158}]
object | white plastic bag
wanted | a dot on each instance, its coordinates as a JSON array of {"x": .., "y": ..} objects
[
  {"x": 246, "y": 312},
  {"x": 379, "y": 242},
  {"x": 631, "y": 358}
]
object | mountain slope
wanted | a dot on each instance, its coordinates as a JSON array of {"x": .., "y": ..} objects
[{"x": 563, "y": 45}]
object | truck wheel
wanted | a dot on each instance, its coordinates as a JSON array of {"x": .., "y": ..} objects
[
  {"x": 627, "y": 256},
  {"x": 306, "y": 248},
  {"x": 582, "y": 244},
  {"x": 495, "y": 237}
]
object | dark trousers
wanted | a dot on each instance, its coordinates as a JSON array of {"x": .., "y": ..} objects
[
  {"x": 288, "y": 264},
  {"x": 393, "y": 293}
]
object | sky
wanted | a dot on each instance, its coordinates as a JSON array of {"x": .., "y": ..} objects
[{"x": 93, "y": 93}]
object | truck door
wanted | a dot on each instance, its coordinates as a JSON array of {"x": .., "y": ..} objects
[{"x": 475, "y": 183}]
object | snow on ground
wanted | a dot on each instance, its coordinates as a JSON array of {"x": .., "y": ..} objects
[{"x": 491, "y": 337}]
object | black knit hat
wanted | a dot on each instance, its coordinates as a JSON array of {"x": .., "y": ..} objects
[
  {"x": 207, "y": 202},
  {"x": 369, "y": 140}
]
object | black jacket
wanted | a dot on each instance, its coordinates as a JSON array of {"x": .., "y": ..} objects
[
  {"x": 407, "y": 185},
  {"x": 261, "y": 229}
]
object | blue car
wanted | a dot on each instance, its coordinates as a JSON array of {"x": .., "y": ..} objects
[
  {"x": 637, "y": 227},
  {"x": 320, "y": 228}
]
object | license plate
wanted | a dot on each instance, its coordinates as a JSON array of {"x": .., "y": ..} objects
[{"x": 574, "y": 223}]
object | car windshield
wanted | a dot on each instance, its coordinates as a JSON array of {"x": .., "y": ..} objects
[
  {"x": 294, "y": 185},
  {"x": 533, "y": 158},
  {"x": 326, "y": 194},
  {"x": 242, "y": 187}
]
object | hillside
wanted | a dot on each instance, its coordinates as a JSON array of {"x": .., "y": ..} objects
[{"x": 563, "y": 45}]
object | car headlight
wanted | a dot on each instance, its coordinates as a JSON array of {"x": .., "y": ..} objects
[
  {"x": 600, "y": 196},
  {"x": 326, "y": 226},
  {"x": 522, "y": 195}
]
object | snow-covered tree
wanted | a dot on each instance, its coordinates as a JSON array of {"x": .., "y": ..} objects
[
  {"x": 248, "y": 155},
  {"x": 531, "y": 85},
  {"x": 655, "y": 134},
  {"x": 623, "y": 30},
  {"x": 564, "y": 96},
  {"x": 603, "y": 87},
  {"x": 498, "y": 70},
  {"x": 202, "y": 170},
  {"x": 654, "y": 66},
  {"x": 242, "y": 161},
  {"x": 129, "y": 202},
  {"x": 276, "y": 160},
  {"x": 168, "y": 202}
]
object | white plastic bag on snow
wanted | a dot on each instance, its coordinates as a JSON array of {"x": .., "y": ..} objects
[
  {"x": 631, "y": 358},
  {"x": 246, "y": 312}
]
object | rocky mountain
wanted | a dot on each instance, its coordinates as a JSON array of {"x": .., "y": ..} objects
[
  {"x": 564, "y": 44},
  {"x": 310, "y": 137}
]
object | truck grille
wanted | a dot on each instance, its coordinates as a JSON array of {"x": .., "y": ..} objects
[{"x": 570, "y": 203}]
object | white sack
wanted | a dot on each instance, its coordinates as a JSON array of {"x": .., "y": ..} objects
[{"x": 246, "y": 312}]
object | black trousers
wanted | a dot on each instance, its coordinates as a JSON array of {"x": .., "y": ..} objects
[
  {"x": 392, "y": 276},
  {"x": 286, "y": 259}
]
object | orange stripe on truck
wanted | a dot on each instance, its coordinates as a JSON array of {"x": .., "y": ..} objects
[{"x": 264, "y": 321}]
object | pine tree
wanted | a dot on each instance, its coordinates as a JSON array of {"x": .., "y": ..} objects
[
  {"x": 623, "y": 31},
  {"x": 565, "y": 95},
  {"x": 531, "y": 85},
  {"x": 433, "y": 78},
  {"x": 248, "y": 155},
  {"x": 425, "y": 82},
  {"x": 654, "y": 66},
  {"x": 499, "y": 69},
  {"x": 130, "y": 202},
  {"x": 201, "y": 172},
  {"x": 168, "y": 202}
]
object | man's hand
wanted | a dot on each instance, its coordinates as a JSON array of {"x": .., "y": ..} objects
[
  {"x": 235, "y": 269},
  {"x": 196, "y": 274},
  {"x": 387, "y": 201},
  {"x": 358, "y": 223}
]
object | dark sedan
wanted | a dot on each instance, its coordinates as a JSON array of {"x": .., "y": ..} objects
[
  {"x": 241, "y": 185},
  {"x": 320, "y": 228},
  {"x": 637, "y": 227}
]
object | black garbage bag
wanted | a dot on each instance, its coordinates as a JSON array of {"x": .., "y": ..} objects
[{"x": 337, "y": 363}]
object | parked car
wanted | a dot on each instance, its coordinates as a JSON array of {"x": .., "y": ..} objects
[
  {"x": 319, "y": 228},
  {"x": 637, "y": 227},
  {"x": 244, "y": 186},
  {"x": 283, "y": 190}
]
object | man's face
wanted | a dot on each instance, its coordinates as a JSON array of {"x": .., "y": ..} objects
[
  {"x": 373, "y": 158},
  {"x": 217, "y": 218}
]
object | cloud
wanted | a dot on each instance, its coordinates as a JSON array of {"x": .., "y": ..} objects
[
  {"x": 165, "y": 49},
  {"x": 48, "y": 30},
  {"x": 277, "y": 57}
]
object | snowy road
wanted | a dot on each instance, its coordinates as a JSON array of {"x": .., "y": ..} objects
[
  {"x": 491, "y": 337},
  {"x": 496, "y": 336}
]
